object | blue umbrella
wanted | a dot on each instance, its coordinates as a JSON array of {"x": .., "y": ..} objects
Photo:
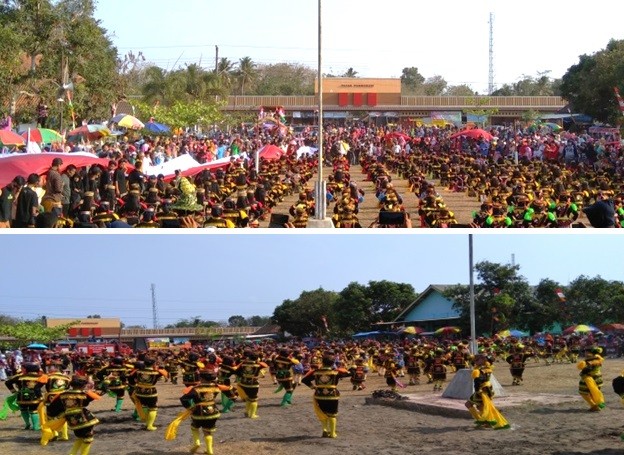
[
  {"x": 37, "y": 346},
  {"x": 518, "y": 333},
  {"x": 157, "y": 128}
]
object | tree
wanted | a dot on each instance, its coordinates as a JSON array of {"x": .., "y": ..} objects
[
  {"x": 595, "y": 300},
  {"x": 26, "y": 332},
  {"x": 588, "y": 85},
  {"x": 195, "y": 321},
  {"x": 94, "y": 316},
  {"x": 411, "y": 81},
  {"x": 304, "y": 316},
  {"x": 258, "y": 321},
  {"x": 459, "y": 90},
  {"x": 500, "y": 298},
  {"x": 284, "y": 79},
  {"x": 246, "y": 73},
  {"x": 237, "y": 321},
  {"x": 539, "y": 85},
  {"x": 434, "y": 86},
  {"x": 351, "y": 312},
  {"x": 350, "y": 73}
]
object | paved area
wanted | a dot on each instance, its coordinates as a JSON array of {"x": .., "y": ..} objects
[{"x": 435, "y": 404}]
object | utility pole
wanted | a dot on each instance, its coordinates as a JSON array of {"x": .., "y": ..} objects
[
  {"x": 216, "y": 59},
  {"x": 154, "y": 308}
]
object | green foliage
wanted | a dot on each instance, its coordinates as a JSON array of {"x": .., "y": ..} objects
[
  {"x": 540, "y": 85},
  {"x": 183, "y": 113},
  {"x": 196, "y": 321},
  {"x": 26, "y": 332},
  {"x": 411, "y": 81},
  {"x": 501, "y": 298},
  {"x": 284, "y": 79},
  {"x": 588, "y": 85},
  {"x": 304, "y": 316},
  {"x": 59, "y": 30}
]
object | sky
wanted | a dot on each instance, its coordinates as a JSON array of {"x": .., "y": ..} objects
[
  {"x": 375, "y": 38},
  {"x": 215, "y": 276}
]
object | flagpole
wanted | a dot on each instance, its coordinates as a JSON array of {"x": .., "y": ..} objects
[
  {"x": 320, "y": 209},
  {"x": 473, "y": 330}
]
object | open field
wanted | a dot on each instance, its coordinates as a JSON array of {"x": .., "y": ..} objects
[{"x": 537, "y": 428}]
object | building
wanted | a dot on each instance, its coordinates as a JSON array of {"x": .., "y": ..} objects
[
  {"x": 430, "y": 311},
  {"x": 381, "y": 99},
  {"x": 89, "y": 327}
]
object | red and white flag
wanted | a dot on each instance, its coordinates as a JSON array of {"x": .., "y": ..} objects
[
  {"x": 324, "y": 319},
  {"x": 561, "y": 295},
  {"x": 619, "y": 99}
]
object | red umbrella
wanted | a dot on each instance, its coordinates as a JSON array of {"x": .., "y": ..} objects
[
  {"x": 613, "y": 327},
  {"x": 8, "y": 137},
  {"x": 271, "y": 152},
  {"x": 475, "y": 133},
  {"x": 449, "y": 330}
]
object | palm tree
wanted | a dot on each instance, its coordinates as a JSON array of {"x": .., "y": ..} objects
[
  {"x": 195, "y": 86},
  {"x": 350, "y": 73},
  {"x": 155, "y": 87},
  {"x": 224, "y": 71},
  {"x": 246, "y": 72}
]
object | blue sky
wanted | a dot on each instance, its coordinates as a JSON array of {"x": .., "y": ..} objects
[
  {"x": 377, "y": 39},
  {"x": 216, "y": 276}
]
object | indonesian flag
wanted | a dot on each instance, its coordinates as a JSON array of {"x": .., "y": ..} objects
[
  {"x": 561, "y": 295},
  {"x": 619, "y": 99},
  {"x": 324, "y": 319}
]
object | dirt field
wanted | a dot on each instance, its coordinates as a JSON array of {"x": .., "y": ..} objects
[{"x": 566, "y": 428}]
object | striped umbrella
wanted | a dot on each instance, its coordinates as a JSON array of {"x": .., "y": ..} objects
[
  {"x": 90, "y": 132},
  {"x": 43, "y": 136},
  {"x": 127, "y": 121}
]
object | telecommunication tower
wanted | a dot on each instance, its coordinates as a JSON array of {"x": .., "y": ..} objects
[
  {"x": 154, "y": 308},
  {"x": 491, "y": 67}
]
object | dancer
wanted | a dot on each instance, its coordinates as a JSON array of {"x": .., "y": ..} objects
[
  {"x": 591, "y": 379},
  {"x": 144, "y": 378},
  {"x": 517, "y": 362},
  {"x": 199, "y": 401},
  {"x": 285, "y": 375},
  {"x": 248, "y": 373},
  {"x": 28, "y": 388},
  {"x": 324, "y": 381},
  {"x": 480, "y": 403},
  {"x": 71, "y": 406}
]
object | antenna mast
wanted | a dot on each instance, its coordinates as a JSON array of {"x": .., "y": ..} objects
[
  {"x": 154, "y": 308},
  {"x": 491, "y": 71}
]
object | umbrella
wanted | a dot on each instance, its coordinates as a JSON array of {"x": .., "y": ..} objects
[
  {"x": 613, "y": 327},
  {"x": 128, "y": 121},
  {"x": 8, "y": 137},
  {"x": 475, "y": 133},
  {"x": 90, "y": 132},
  {"x": 447, "y": 331},
  {"x": 411, "y": 330},
  {"x": 512, "y": 333},
  {"x": 580, "y": 328},
  {"x": 43, "y": 136},
  {"x": 37, "y": 346},
  {"x": 157, "y": 128},
  {"x": 271, "y": 152},
  {"x": 552, "y": 126}
]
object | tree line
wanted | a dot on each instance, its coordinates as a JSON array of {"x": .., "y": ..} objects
[
  {"x": 503, "y": 299},
  {"x": 45, "y": 43}
]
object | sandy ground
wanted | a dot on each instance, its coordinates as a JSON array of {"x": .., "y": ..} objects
[{"x": 537, "y": 428}]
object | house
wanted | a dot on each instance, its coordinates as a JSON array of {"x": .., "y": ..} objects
[{"x": 430, "y": 311}]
